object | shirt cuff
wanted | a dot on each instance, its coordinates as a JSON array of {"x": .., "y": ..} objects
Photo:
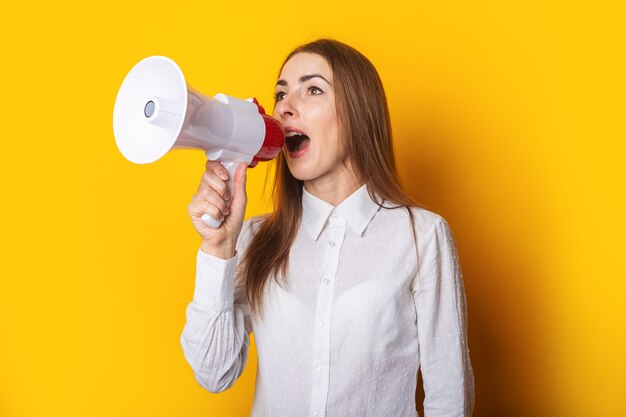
[{"x": 215, "y": 281}]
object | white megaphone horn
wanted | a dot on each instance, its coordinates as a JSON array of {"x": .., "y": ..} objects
[{"x": 156, "y": 111}]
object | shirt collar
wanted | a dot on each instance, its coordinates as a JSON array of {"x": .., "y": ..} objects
[{"x": 358, "y": 210}]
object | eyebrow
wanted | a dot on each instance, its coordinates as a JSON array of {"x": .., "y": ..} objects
[{"x": 304, "y": 78}]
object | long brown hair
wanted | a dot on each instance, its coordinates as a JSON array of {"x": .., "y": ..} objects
[{"x": 365, "y": 130}]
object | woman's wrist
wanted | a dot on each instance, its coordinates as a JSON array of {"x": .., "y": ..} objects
[{"x": 223, "y": 251}]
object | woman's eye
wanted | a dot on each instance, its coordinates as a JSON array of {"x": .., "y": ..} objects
[
  {"x": 279, "y": 95},
  {"x": 315, "y": 91}
]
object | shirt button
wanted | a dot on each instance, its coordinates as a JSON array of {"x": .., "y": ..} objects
[
  {"x": 326, "y": 281},
  {"x": 321, "y": 324},
  {"x": 319, "y": 369},
  {"x": 331, "y": 244},
  {"x": 315, "y": 414}
]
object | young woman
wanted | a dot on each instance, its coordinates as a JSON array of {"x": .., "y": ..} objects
[{"x": 348, "y": 286}]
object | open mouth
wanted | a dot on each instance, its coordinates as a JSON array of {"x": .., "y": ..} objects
[{"x": 296, "y": 141}]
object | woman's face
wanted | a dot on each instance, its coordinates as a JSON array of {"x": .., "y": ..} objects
[{"x": 305, "y": 105}]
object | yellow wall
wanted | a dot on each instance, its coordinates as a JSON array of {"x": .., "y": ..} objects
[{"x": 508, "y": 121}]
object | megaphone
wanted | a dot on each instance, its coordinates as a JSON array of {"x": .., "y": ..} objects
[{"x": 156, "y": 111}]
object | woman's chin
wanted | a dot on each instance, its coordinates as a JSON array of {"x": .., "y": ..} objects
[
  {"x": 301, "y": 174},
  {"x": 301, "y": 168},
  {"x": 300, "y": 171}
]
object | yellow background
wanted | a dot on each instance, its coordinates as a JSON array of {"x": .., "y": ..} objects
[{"x": 508, "y": 121}]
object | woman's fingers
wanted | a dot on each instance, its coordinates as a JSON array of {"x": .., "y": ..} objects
[
  {"x": 211, "y": 180},
  {"x": 217, "y": 168},
  {"x": 200, "y": 207},
  {"x": 214, "y": 198},
  {"x": 209, "y": 194},
  {"x": 216, "y": 177}
]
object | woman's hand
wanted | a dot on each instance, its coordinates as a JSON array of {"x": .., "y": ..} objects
[{"x": 213, "y": 198}]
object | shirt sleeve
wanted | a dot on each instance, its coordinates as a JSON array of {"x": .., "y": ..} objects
[
  {"x": 216, "y": 336},
  {"x": 441, "y": 308}
]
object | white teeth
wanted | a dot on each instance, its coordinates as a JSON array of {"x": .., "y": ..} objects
[{"x": 291, "y": 134}]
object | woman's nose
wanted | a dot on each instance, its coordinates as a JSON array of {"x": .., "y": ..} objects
[{"x": 287, "y": 107}]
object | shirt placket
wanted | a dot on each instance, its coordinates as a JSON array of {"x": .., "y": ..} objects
[{"x": 336, "y": 229}]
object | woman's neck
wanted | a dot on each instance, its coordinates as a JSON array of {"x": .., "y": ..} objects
[{"x": 334, "y": 189}]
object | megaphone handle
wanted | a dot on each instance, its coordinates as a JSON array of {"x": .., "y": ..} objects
[{"x": 231, "y": 167}]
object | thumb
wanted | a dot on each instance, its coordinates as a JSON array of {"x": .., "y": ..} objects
[{"x": 240, "y": 199}]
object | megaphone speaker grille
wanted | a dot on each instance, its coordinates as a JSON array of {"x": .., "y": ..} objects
[{"x": 150, "y": 109}]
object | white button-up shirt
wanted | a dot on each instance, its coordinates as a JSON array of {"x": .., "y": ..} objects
[{"x": 357, "y": 318}]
